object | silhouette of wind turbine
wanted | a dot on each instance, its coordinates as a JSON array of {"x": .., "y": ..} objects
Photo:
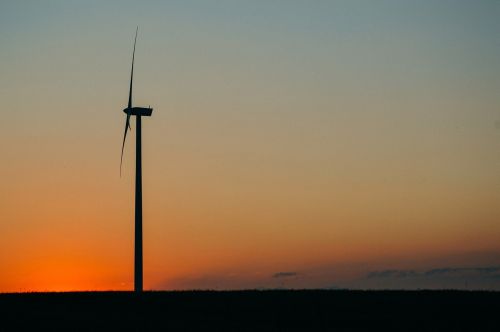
[{"x": 138, "y": 112}]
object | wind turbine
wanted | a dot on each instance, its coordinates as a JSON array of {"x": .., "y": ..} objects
[{"x": 138, "y": 112}]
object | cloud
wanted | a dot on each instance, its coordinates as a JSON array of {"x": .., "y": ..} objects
[
  {"x": 487, "y": 277},
  {"x": 473, "y": 270},
  {"x": 489, "y": 270},
  {"x": 392, "y": 274},
  {"x": 285, "y": 274},
  {"x": 441, "y": 272}
]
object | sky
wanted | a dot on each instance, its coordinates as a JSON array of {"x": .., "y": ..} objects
[{"x": 296, "y": 144}]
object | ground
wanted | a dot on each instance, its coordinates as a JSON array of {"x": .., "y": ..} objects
[{"x": 277, "y": 310}]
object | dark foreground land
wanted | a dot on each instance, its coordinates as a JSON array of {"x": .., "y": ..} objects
[{"x": 317, "y": 310}]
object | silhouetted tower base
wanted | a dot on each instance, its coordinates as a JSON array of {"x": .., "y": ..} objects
[
  {"x": 138, "y": 112},
  {"x": 138, "y": 209}
]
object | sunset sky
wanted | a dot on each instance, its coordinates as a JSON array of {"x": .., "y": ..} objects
[{"x": 293, "y": 144}]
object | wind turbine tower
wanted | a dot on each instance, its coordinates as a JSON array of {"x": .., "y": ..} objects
[{"x": 138, "y": 112}]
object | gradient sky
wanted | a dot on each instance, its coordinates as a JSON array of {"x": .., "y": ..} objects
[{"x": 325, "y": 139}]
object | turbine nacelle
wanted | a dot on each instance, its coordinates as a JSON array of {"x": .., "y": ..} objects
[{"x": 142, "y": 111}]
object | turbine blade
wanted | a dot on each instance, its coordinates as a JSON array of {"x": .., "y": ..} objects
[
  {"x": 127, "y": 126},
  {"x": 132, "y": 72}
]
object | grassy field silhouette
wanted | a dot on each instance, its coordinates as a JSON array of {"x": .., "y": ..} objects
[{"x": 253, "y": 310}]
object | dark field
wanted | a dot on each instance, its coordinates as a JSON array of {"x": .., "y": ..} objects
[{"x": 318, "y": 310}]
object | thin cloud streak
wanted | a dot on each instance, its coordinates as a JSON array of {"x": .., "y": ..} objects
[{"x": 285, "y": 274}]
